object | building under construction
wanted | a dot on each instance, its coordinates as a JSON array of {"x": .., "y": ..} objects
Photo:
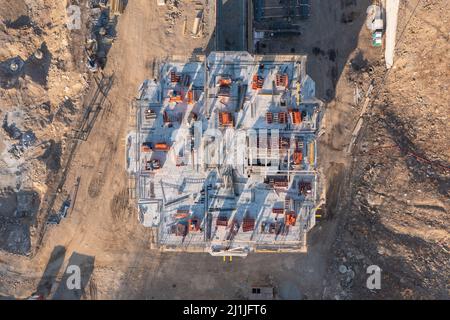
[{"x": 223, "y": 155}]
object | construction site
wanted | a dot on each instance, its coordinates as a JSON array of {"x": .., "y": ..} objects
[
  {"x": 147, "y": 140},
  {"x": 224, "y": 154}
]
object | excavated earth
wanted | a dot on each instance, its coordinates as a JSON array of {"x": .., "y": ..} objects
[{"x": 396, "y": 210}]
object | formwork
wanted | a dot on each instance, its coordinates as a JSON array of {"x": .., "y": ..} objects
[{"x": 223, "y": 155}]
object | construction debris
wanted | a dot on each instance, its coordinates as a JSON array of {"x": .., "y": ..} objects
[{"x": 173, "y": 13}]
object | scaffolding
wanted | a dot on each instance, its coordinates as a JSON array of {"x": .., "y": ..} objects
[{"x": 214, "y": 154}]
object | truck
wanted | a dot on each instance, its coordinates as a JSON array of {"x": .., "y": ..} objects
[{"x": 377, "y": 35}]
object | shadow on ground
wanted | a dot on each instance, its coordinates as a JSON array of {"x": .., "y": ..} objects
[
  {"x": 328, "y": 36},
  {"x": 78, "y": 271},
  {"x": 51, "y": 271},
  {"x": 36, "y": 67}
]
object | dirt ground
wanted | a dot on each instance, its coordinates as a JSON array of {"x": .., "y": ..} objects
[
  {"x": 398, "y": 202},
  {"x": 39, "y": 105},
  {"x": 373, "y": 213}
]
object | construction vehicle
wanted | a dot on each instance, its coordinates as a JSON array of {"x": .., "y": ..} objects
[
  {"x": 197, "y": 24},
  {"x": 376, "y": 24},
  {"x": 56, "y": 218},
  {"x": 377, "y": 38},
  {"x": 64, "y": 208},
  {"x": 91, "y": 53}
]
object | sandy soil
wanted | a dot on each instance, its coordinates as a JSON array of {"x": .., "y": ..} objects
[{"x": 399, "y": 196}]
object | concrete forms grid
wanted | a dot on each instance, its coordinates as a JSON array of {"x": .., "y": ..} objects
[{"x": 224, "y": 154}]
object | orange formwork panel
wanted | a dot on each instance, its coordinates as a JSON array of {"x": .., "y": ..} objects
[
  {"x": 174, "y": 77},
  {"x": 257, "y": 82},
  {"x": 161, "y": 146},
  {"x": 190, "y": 97},
  {"x": 181, "y": 214},
  {"x": 176, "y": 99},
  {"x": 225, "y": 82},
  {"x": 278, "y": 210},
  {"x": 225, "y": 119},
  {"x": 248, "y": 224},
  {"x": 290, "y": 219},
  {"x": 298, "y": 157},
  {"x": 282, "y": 117},
  {"x": 296, "y": 116}
]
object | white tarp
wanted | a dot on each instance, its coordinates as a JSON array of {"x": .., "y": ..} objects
[{"x": 392, "y": 7}]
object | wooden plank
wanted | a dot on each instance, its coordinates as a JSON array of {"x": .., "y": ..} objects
[{"x": 117, "y": 7}]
